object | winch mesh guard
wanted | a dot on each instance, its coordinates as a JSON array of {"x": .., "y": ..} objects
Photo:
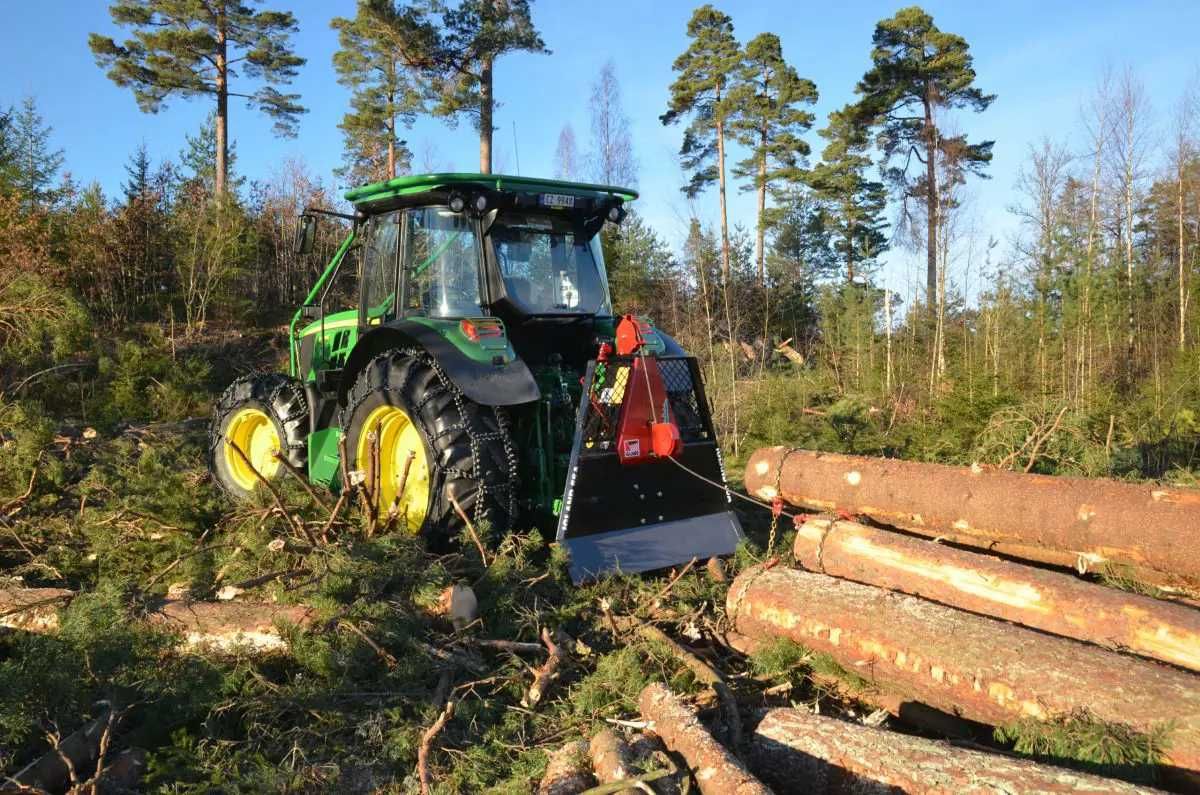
[{"x": 632, "y": 519}]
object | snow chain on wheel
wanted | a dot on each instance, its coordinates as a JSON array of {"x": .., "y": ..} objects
[
  {"x": 261, "y": 414},
  {"x": 435, "y": 442}
]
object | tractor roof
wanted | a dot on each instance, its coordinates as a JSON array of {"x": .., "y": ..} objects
[{"x": 415, "y": 184}]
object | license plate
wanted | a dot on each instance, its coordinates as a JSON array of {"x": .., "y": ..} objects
[{"x": 557, "y": 200}]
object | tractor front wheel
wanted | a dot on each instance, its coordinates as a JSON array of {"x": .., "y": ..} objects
[
  {"x": 259, "y": 419},
  {"x": 424, "y": 446}
]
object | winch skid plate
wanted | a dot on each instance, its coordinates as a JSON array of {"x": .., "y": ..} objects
[{"x": 617, "y": 517}]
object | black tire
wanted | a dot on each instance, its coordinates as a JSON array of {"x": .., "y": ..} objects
[
  {"x": 283, "y": 401},
  {"x": 469, "y": 449}
]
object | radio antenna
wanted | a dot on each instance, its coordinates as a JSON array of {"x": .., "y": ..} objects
[{"x": 516, "y": 151}]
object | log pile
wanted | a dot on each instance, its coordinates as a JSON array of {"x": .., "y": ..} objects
[{"x": 949, "y": 629}]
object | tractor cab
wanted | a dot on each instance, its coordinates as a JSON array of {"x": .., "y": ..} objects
[{"x": 459, "y": 360}]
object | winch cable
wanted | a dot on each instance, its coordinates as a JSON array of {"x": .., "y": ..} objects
[{"x": 775, "y": 506}]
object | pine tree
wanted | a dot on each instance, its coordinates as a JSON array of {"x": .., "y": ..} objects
[
  {"x": 200, "y": 156},
  {"x": 919, "y": 71},
  {"x": 770, "y": 123},
  {"x": 701, "y": 90},
  {"x": 8, "y": 151},
  {"x": 36, "y": 165},
  {"x": 853, "y": 203},
  {"x": 566, "y": 156},
  {"x": 192, "y": 49},
  {"x": 384, "y": 92},
  {"x": 456, "y": 46},
  {"x": 611, "y": 160},
  {"x": 138, "y": 171}
]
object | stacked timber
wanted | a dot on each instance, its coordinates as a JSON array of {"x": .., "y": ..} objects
[
  {"x": 968, "y": 634},
  {"x": 1150, "y": 530}
]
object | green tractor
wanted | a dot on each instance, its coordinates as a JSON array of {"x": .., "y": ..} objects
[{"x": 461, "y": 355}]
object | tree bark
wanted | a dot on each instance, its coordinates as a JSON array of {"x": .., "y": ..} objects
[
  {"x": 836, "y": 756},
  {"x": 1056, "y": 603},
  {"x": 222, "y": 85},
  {"x": 612, "y": 759},
  {"x": 725, "y": 254},
  {"x": 568, "y": 772},
  {"x": 715, "y": 769},
  {"x": 976, "y": 667},
  {"x": 931, "y": 198},
  {"x": 213, "y": 626},
  {"x": 761, "y": 236},
  {"x": 1078, "y": 522},
  {"x": 486, "y": 106}
]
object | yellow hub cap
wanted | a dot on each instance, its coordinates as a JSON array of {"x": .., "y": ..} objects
[
  {"x": 400, "y": 448},
  {"x": 254, "y": 434}
]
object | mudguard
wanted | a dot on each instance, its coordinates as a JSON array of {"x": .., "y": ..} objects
[{"x": 488, "y": 383}]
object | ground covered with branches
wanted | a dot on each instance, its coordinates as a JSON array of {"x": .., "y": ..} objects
[{"x": 104, "y": 492}]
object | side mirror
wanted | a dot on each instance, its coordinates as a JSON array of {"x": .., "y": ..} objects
[
  {"x": 310, "y": 311},
  {"x": 306, "y": 234}
]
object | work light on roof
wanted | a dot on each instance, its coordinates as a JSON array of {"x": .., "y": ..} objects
[
  {"x": 457, "y": 202},
  {"x": 481, "y": 204}
]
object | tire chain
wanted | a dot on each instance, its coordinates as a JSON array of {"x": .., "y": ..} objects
[{"x": 505, "y": 496}]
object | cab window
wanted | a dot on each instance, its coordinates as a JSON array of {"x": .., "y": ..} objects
[
  {"x": 442, "y": 264},
  {"x": 379, "y": 267}
]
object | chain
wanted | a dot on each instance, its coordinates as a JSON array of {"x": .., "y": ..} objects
[{"x": 777, "y": 501}]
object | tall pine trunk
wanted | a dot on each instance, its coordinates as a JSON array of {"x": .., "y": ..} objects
[
  {"x": 761, "y": 240},
  {"x": 222, "y": 105},
  {"x": 1183, "y": 302},
  {"x": 931, "y": 199},
  {"x": 725, "y": 276},
  {"x": 485, "y": 116}
]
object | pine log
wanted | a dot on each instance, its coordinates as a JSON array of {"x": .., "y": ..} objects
[
  {"x": 715, "y": 769},
  {"x": 612, "y": 759},
  {"x": 1087, "y": 523},
  {"x": 982, "y": 669},
  {"x": 568, "y": 772},
  {"x": 834, "y": 756},
  {"x": 213, "y": 626},
  {"x": 1052, "y": 602}
]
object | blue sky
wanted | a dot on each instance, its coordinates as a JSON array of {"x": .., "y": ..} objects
[{"x": 1040, "y": 58}]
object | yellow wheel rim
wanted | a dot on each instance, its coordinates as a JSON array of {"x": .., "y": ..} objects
[
  {"x": 400, "y": 447},
  {"x": 254, "y": 434}
]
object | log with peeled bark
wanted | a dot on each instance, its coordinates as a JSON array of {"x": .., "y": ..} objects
[
  {"x": 1052, "y": 602},
  {"x": 1086, "y": 523},
  {"x": 982, "y": 669},
  {"x": 834, "y": 756},
  {"x": 213, "y": 626},
  {"x": 715, "y": 769}
]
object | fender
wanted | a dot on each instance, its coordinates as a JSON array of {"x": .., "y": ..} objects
[{"x": 484, "y": 383}]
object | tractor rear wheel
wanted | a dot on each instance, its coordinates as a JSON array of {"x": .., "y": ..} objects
[
  {"x": 258, "y": 420},
  {"x": 435, "y": 447}
]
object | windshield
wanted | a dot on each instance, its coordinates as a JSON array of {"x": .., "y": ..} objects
[{"x": 548, "y": 266}]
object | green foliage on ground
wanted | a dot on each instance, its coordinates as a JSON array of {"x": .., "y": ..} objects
[{"x": 1082, "y": 739}]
